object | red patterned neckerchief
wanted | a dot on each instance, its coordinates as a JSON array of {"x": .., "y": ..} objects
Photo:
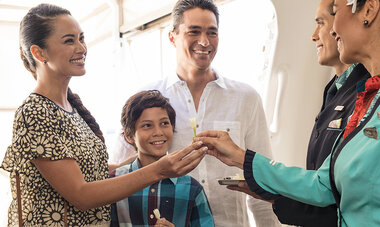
[{"x": 366, "y": 93}]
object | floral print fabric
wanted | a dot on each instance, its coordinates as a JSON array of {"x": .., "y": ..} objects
[{"x": 42, "y": 129}]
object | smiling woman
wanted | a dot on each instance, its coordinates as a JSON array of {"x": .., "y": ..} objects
[{"x": 58, "y": 155}]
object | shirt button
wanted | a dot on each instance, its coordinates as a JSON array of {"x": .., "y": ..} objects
[
  {"x": 189, "y": 101},
  {"x": 151, "y": 216},
  {"x": 197, "y": 126},
  {"x": 228, "y": 130},
  {"x": 152, "y": 190},
  {"x": 203, "y": 181}
]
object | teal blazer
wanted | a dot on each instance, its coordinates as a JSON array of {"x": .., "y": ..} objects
[{"x": 354, "y": 173}]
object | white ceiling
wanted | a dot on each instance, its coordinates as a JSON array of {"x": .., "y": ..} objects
[
  {"x": 134, "y": 12},
  {"x": 139, "y": 12},
  {"x": 12, "y": 11},
  {"x": 131, "y": 13}
]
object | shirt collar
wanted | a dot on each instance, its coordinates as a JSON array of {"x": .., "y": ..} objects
[
  {"x": 344, "y": 76},
  {"x": 175, "y": 79},
  {"x": 219, "y": 80},
  {"x": 136, "y": 164}
]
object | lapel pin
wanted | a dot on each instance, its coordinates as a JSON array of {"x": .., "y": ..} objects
[
  {"x": 335, "y": 123},
  {"x": 371, "y": 132},
  {"x": 339, "y": 108}
]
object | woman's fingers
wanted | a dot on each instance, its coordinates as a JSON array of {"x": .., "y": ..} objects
[
  {"x": 210, "y": 142},
  {"x": 179, "y": 155},
  {"x": 209, "y": 133},
  {"x": 191, "y": 161},
  {"x": 243, "y": 187},
  {"x": 181, "y": 162}
]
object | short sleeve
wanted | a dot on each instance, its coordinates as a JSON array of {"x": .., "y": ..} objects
[{"x": 37, "y": 132}]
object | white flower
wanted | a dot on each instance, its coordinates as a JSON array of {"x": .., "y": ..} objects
[
  {"x": 156, "y": 213},
  {"x": 353, "y": 3},
  {"x": 193, "y": 124}
]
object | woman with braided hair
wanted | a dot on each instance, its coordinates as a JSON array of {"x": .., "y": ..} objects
[{"x": 58, "y": 160}]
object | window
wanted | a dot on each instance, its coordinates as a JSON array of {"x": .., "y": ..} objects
[{"x": 246, "y": 39}]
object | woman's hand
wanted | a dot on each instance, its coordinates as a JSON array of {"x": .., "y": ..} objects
[
  {"x": 181, "y": 162},
  {"x": 243, "y": 187},
  {"x": 221, "y": 146},
  {"x": 162, "y": 222},
  {"x": 66, "y": 177}
]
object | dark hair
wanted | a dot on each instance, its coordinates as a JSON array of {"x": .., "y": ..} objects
[
  {"x": 136, "y": 104},
  {"x": 35, "y": 28},
  {"x": 360, "y": 4},
  {"x": 330, "y": 7},
  {"x": 183, "y": 5},
  {"x": 76, "y": 102}
]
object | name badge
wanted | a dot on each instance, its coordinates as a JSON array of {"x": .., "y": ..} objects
[{"x": 339, "y": 108}]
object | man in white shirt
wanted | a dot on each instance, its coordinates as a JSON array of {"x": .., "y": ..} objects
[{"x": 217, "y": 103}]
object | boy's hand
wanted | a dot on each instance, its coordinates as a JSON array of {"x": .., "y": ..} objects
[
  {"x": 181, "y": 162},
  {"x": 221, "y": 146},
  {"x": 162, "y": 222}
]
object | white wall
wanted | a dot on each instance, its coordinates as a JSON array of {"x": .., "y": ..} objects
[{"x": 304, "y": 80}]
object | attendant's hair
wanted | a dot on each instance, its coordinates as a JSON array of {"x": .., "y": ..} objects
[
  {"x": 183, "y": 5},
  {"x": 136, "y": 104},
  {"x": 360, "y": 4},
  {"x": 35, "y": 28}
]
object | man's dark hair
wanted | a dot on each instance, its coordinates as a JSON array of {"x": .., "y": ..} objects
[{"x": 183, "y": 5}]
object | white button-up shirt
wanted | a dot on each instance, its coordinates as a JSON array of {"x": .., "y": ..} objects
[{"x": 230, "y": 106}]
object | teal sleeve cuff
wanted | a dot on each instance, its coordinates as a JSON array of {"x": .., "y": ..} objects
[{"x": 250, "y": 178}]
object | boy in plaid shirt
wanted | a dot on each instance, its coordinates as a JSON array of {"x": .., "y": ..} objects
[{"x": 148, "y": 121}]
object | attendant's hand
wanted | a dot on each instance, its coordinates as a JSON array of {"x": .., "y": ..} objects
[
  {"x": 243, "y": 187},
  {"x": 162, "y": 222},
  {"x": 181, "y": 162},
  {"x": 221, "y": 146}
]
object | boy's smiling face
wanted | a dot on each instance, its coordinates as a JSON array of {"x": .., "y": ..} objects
[{"x": 153, "y": 135}]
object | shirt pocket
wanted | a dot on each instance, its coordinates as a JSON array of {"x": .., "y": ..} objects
[{"x": 232, "y": 127}]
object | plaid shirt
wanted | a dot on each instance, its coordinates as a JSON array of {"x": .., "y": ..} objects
[{"x": 180, "y": 200}]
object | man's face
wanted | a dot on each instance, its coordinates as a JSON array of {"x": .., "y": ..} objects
[
  {"x": 327, "y": 48},
  {"x": 196, "y": 39}
]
